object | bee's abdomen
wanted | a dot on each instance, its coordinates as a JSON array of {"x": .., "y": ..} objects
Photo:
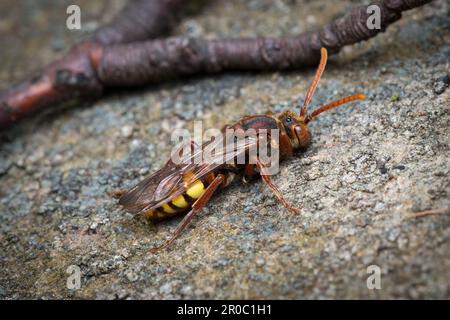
[{"x": 180, "y": 203}]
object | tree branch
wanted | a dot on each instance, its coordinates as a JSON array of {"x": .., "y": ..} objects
[
  {"x": 109, "y": 60},
  {"x": 75, "y": 75},
  {"x": 140, "y": 20}
]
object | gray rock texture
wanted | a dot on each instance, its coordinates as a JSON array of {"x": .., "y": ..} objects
[{"x": 370, "y": 165}]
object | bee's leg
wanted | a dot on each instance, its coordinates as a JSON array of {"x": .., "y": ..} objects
[
  {"x": 196, "y": 207},
  {"x": 266, "y": 178}
]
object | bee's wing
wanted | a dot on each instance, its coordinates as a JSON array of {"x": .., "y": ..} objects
[
  {"x": 152, "y": 189},
  {"x": 172, "y": 180}
]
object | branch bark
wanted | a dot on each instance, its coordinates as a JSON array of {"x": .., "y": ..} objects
[
  {"x": 140, "y": 20},
  {"x": 76, "y": 74},
  {"x": 117, "y": 57}
]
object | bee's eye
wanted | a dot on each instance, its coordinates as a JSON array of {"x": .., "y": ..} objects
[{"x": 288, "y": 119}]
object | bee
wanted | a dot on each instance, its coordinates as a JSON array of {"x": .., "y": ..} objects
[{"x": 186, "y": 186}]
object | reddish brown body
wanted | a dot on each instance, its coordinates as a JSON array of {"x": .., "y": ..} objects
[{"x": 187, "y": 187}]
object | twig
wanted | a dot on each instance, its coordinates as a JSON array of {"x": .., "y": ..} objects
[
  {"x": 106, "y": 61},
  {"x": 429, "y": 213},
  {"x": 76, "y": 75},
  {"x": 140, "y": 20}
]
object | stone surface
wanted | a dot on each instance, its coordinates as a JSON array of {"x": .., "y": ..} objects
[{"x": 371, "y": 163}]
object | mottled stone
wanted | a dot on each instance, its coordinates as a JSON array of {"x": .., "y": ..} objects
[{"x": 370, "y": 164}]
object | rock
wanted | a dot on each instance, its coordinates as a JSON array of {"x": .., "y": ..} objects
[
  {"x": 126, "y": 131},
  {"x": 441, "y": 84},
  {"x": 369, "y": 165}
]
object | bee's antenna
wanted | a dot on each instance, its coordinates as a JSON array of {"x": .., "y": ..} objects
[
  {"x": 313, "y": 86},
  {"x": 331, "y": 105}
]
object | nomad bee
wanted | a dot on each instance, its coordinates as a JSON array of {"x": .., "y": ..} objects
[{"x": 186, "y": 187}]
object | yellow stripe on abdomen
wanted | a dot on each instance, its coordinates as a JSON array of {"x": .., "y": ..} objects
[
  {"x": 196, "y": 190},
  {"x": 161, "y": 213},
  {"x": 168, "y": 209},
  {"x": 180, "y": 201}
]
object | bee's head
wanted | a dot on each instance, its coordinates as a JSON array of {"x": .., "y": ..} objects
[
  {"x": 296, "y": 125},
  {"x": 296, "y": 129}
]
